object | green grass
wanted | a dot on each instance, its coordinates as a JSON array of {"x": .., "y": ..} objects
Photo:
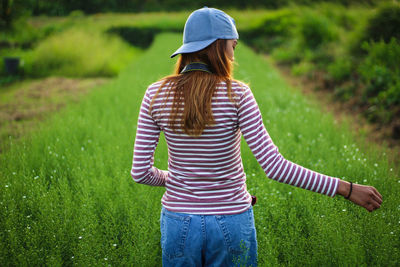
[
  {"x": 66, "y": 195},
  {"x": 77, "y": 52}
]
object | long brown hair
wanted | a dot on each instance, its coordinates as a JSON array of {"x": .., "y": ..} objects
[{"x": 193, "y": 91}]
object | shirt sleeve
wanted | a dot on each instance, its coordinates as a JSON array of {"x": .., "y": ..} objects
[
  {"x": 147, "y": 136},
  {"x": 272, "y": 162}
]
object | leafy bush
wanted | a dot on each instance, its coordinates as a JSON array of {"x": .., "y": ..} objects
[
  {"x": 340, "y": 69},
  {"x": 302, "y": 68},
  {"x": 287, "y": 53},
  {"x": 345, "y": 91},
  {"x": 385, "y": 24},
  {"x": 381, "y": 73},
  {"x": 272, "y": 31},
  {"x": 79, "y": 53},
  {"x": 315, "y": 30}
]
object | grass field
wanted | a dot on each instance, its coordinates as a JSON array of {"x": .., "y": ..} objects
[{"x": 67, "y": 198}]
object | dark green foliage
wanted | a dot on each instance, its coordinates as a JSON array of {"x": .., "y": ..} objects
[
  {"x": 385, "y": 24},
  {"x": 345, "y": 92},
  {"x": 340, "y": 69},
  {"x": 315, "y": 30},
  {"x": 64, "y": 7},
  {"x": 271, "y": 32},
  {"x": 381, "y": 73},
  {"x": 139, "y": 36}
]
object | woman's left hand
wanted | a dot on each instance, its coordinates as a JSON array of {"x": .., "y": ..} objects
[{"x": 362, "y": 195}]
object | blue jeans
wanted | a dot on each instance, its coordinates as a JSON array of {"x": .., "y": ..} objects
[{"x": 208, "y": 240}]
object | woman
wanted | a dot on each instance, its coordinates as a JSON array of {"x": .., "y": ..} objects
[{"x": 207, "y": 216}]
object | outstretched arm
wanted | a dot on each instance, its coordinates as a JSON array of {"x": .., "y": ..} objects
[{"x": 278, "y": 168}]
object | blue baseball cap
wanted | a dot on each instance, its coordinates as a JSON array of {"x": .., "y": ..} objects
[{"x": 203, "y": 27}]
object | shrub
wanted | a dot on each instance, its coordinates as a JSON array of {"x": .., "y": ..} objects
[
  {"x": 288, "y": 53},
  {"x": 385, "y": 24},
  {"x": 345, "y": 91},
  {"x": 302, "y": 68},
  {"x": 272, "y": 31},
  {"x": 381, "y": 73},
  {"x": 315, "y": 30},
  {"x": 340, "y": 69}
]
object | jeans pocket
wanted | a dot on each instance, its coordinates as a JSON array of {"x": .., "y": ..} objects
[
  {"x": 238, "y": 231},
  {"x": 174, "y": 230}
]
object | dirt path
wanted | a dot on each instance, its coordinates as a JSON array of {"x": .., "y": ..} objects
[{"x": 24, "y": 104}]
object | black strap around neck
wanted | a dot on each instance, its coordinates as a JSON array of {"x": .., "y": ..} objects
[{"x": 196, "y": 66}]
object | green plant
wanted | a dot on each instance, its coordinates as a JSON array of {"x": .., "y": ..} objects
[
  {"x": 345, "y": 91},
  {"x": 315, "y": 30},
  {"x": 385, "y": 24},
  {"x": 302, "y": 68},
  {"x": 340, "y": 69},
  {"x": 380, "y": 71},
  {"x": 271, "y": 31},
  {"x": 288, "y": 53}
]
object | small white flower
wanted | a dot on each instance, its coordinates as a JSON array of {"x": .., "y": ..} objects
[
  {"x": 23, "y": 196},
  {"x": 36, "y": 177},
  {"x": 114, "y": 245},
  {"x": 80, "y": 237},
  {"x": 82, "y": 148},
  {"x": 343, "y": 209},
  {"x": 6, "y": 185},
  {"x": 72, "y": 257},
  {"x": 376, "y": 164},
  {"x": 14, "y": 173},
  {"x": 105, "y": 259}
]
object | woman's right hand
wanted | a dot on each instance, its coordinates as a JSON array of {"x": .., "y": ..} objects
[{"x": 362, "y": 195}]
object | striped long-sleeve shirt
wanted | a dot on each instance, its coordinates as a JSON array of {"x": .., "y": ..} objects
[{"x": 205, "y": 174}]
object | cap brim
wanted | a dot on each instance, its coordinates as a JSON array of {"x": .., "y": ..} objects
[{"x": 193, "y": 47}]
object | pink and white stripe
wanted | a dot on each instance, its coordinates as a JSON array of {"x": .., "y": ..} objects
[{"x": 205, "y": 174}]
